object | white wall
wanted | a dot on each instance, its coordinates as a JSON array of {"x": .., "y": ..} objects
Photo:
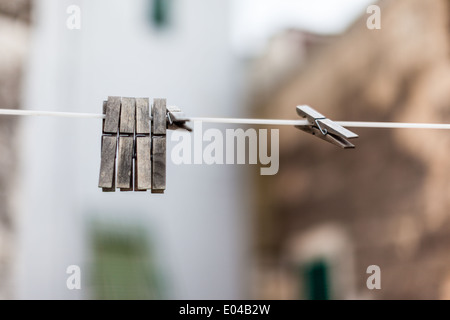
[
  {"x": 256, "y": 21},
  {"x": 199, "y": 225}
]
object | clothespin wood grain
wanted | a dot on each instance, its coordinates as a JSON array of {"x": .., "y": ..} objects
[
  {"x": 111, "y": 109},
  {"x": 126, "y": 145},
  {"x": 159, "y": 127},
  {"x": 143, "y": 174}
]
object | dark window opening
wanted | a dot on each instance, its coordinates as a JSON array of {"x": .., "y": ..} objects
[
  {"x": 160, "y": 13},
  {"x": 316, "y": 280}
]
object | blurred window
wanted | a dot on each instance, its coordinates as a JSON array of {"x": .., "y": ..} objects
[
  {"x": 160, "y": 13},
  {"x": 316, "y": 279},
  {"x": 322, "y": 263},
  {"x": 122, "y": 264}
]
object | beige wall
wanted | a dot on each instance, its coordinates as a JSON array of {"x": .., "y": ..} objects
[
  {"x": 390, "y": 194},
  {"x": 14, "y": 29}
]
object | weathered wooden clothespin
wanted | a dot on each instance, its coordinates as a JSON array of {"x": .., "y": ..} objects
[
  {"x": 159, "y": 127},
  {"x": 111, "y": 109},
  {"x": 126, "y": 145},
  {"x": 143, "y": 175},
  {"x": 324, "y": 128}
]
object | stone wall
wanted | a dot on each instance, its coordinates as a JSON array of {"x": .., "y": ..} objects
[
  {"x": 14, "y": 32},
  {"x": 390, "y": 194}
]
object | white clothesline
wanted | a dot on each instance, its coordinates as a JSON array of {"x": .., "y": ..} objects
[
  {"x": 275, "y": 122},
  {"x": 35, "y": 113},
  {"x": 348, "y": 124}
]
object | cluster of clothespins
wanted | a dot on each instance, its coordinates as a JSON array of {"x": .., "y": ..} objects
[{"x": 134, "y": 136}]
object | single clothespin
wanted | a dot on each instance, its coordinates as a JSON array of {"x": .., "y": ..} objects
[
  {"x": 126, "y": 145},
  {"x": 143, "y": 172},
  {"x": 324, "y": 128},
  {"x": 159, "y": 129},
  {"x": 107, "y": 178}
]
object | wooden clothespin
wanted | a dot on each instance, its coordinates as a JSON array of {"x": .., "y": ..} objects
[
  {"x": 111, "y": 109},
  {"x": 143, "y": 178},
  {"x": 159, "y": 127},
  {"x": 324, "y": 128},
  {"x": 126, "y": 145}
]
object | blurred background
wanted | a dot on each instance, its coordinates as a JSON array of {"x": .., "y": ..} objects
[{"x": 224, "y": 232}]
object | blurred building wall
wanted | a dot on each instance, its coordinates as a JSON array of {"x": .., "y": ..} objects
[
  {"x": 14, "y": 30},
  {"x": 197, "y": 229},
  {"x": 330, "y": 213}
]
